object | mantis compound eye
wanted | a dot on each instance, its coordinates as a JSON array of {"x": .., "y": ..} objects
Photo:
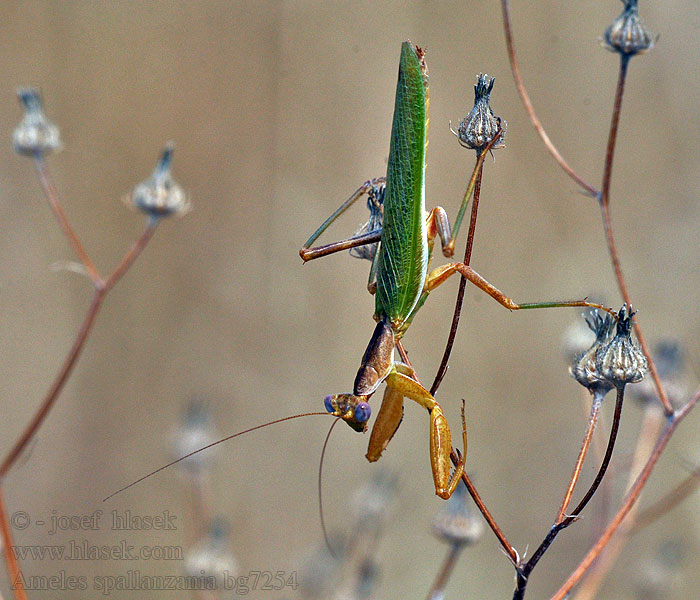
[{"x": 362, "y": 412}]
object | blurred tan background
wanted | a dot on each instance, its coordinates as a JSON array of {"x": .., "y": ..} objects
[{"x": 279, "y": 110}]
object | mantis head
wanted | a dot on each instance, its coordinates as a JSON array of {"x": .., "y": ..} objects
[{"x": 354, "y": 410}]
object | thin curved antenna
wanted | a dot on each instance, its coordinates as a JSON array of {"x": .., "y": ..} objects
[
  {"x": 320, "y": 494},
  {"x": 230, "y": 437}
]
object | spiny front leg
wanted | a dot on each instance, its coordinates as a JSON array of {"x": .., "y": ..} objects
[
  {"x": 440, "y": 449},
  {"x": 385, "y": 425},
  {"x": 402, "y": 382}
]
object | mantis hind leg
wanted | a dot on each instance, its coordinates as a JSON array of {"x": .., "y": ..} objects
[
  {"x": 402, "y": 385},
  {"x": 444, "y": 272}
]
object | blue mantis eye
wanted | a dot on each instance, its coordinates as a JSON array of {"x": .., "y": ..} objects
[
  {"x": 328, "y": 402},
  {"x": 362, "y": 412}
]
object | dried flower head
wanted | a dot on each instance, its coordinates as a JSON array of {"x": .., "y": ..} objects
[
  {"x": 210, "y": 558},
  {"x": 195, "y": 431},
  {"x": 584, "y": 368},
  {"x": 371, "y": 502},
  {"x": 480, "y": 126},
  {"x": 627, "y": 34},
  {"x": 620, "y": 361},
  {"x": 159, "y": 195},
  {"x": 35, "y": 134},
  {"x": 456, "y": 522}
]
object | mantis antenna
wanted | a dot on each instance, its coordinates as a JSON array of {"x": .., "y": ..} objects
[
  {"x": 203, "y": 448},
  {"x": 320, "y": 488}
]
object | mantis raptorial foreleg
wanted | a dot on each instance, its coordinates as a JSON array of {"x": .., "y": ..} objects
[{"x": 401, "y": 384}]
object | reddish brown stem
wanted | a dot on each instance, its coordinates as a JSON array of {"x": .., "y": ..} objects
[
  {"x": 524, "y": 96},
  {"x": 56, "y": 387},
  {"x": 671, "y": 423},
  {"x": 592, "y": 420},
  {"x": 607, "y": 226},
  {"x": 52, "y": 395},
  {"x": 606, "y": 460},
  {"x": 131, "y": 255},
  {"x": 507, "y": 547},
  {"x": 52, "y": 197},
  {"x": 8, "y": 545},
  {"x": 442, "y": 369},
  {"x": 649, "y": 431},
  {"x": 505, "y": 544},
  {"x": 523, "y": 573},
  {"x": 668, "y": 502},
  {"x": 437, "y": 590}
]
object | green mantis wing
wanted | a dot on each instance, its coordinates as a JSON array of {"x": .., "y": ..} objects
[{"x": 403, "y": 255}]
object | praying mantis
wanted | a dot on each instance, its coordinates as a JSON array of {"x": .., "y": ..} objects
[
  {"x": 399, "y": 239},
  {"x": 401, "y": 278}
]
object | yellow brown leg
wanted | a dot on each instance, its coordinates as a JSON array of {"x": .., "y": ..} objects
[
  {"x": 444, "y": 272},
  {"x": 387, "y": 422},
  {"x": 402, "y": 383}
]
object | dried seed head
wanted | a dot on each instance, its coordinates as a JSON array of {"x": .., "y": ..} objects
[
  {"x": 456, "y": 522},
  {"x": 620, "y": 361},
  {"x": 159, "y": 195},
  {"x": 584, "y": 368},
  {"x": 210, "y": 557},
  {"x": 35, "y": 134},
  {"x": 480, "y": 126},
  {"x": 195, "y": 431},
  {"x": 627, "y": 34},
  {"x": 370, "y": 504}
]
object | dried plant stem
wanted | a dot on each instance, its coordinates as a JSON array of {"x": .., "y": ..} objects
[
  {"x": 437, "y": 590},
  {"x": 668, "y": 502},
  {"x": 68, "y": 364},
  {"x": 607, "y": 225},
  {"x": 606, "y": 460},
  {"x": 51, "y": 194},
  {"x": 474, "y": 183},
  {"x": 604, "y": 194},
  {"x": 672, "y": 423},
  {"x": 523, "y": 572},
  {"x": 498, "y": 532},
  {"x": 131, "y": 255},
  {"x": 592, "y": 421},
  {"x": 649, "y": 431},
  {"x": 442, "y": 369},
  {"x": 524, "y": 96},
  {"x": 56, "y": 387},
  {"x": 508, "y": 548},
  {"x": 8, "y": 545}
]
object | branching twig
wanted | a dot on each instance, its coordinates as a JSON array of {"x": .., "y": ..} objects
[
  {"x": 607, "y": 225},
  {"x": 648, "y": 433},
  {"x": 51, "y": 194},
  {"x": 68, "y": 364},
  {"x": 672, "y": 423},
  {"x": 523, "y": 573},
  {"x": 530, "y": 109}
]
